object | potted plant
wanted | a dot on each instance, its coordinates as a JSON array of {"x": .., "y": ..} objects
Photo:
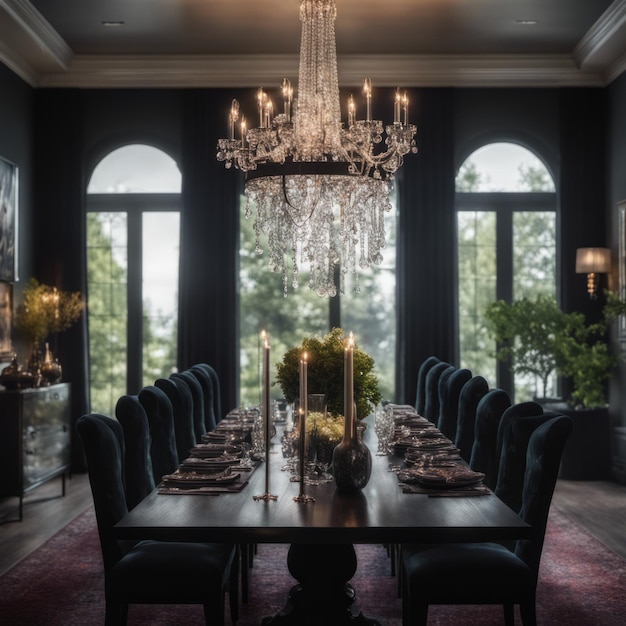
[
  {"x": 539, "y": 339},
  {"x": 325, "y": 373}
]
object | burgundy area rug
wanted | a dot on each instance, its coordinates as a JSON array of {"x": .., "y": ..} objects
[{"x": 581, "y": 583}]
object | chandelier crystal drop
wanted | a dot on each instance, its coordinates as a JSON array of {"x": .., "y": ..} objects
[{"x": 320, "y": 188}]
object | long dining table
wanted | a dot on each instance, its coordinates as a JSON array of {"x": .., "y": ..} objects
[{"x": 380, "y": 513}]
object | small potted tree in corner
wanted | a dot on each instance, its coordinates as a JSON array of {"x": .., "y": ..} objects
[{"x": 540, "y": 339}]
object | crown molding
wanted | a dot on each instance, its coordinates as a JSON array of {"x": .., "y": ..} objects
[
  {"x": 607, "y": 37},
  {"x": 31, "y": 25},
  {"x": 385, "y": 71}
]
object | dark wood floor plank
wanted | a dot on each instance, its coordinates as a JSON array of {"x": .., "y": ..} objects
[{"x": 46, "y": 512}]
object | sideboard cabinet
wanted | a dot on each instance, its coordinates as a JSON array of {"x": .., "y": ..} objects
[{"x": 34, "y": 438}]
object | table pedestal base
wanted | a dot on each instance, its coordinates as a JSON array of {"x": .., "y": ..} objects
[{"x": 323, "y": 595}]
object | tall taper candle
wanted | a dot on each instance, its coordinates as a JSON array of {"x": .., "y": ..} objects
[
  {"x": 348, "y": 381},
  {"x": 303, "y": 411},
  {"x": 266, "y": 400}
]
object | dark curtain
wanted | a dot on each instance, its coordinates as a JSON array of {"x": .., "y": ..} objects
[
  {"x": 427, "y": 243},
  {"x": 208, "y": 303},
  {"x": 59, "y": 230},
  {"x": 583, "y": 114}
]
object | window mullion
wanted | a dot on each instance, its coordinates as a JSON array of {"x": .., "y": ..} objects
[{"x": 135, "y": 302}]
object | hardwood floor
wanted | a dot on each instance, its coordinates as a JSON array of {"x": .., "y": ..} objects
[
  {"x": 45, "y": 513},
  {"x": 600, "y": 507}
]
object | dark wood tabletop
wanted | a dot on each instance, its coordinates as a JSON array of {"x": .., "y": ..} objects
[{"x": 380, "y": 513}]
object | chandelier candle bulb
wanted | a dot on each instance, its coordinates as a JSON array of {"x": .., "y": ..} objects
[
  {"x": 405, "y": 108},
  {"x": 287, "y": 98},
  {"x": 233, "y": 117},
  {"x": 351, "y": 111},
  {"x": 243, "y": 132},
  {"x": 367, "y": 89},
  {"x": 396, "y": 107},
  {"x": 261, "y": 106}
]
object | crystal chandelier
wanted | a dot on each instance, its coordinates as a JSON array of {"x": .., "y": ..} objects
[{"x": 320, "y": 189}]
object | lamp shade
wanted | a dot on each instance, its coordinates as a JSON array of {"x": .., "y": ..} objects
[{"x": 593, "y": 260}]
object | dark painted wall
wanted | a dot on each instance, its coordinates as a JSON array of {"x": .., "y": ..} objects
[
  {"x": 580, "y": 133},
  {"x": 616, "y": 184}
]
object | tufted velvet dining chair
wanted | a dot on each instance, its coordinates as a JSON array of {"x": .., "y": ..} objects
[
  {"x": 138, "y": 474},
  {"x": 490, "y": 573},
  {"x": 515, "y": 433},
  {"x": 484, "y": 457},
  {"x": 197, "y": 397},
  {"x": 146, "y": 572},
  {"x": 217, "y": 397},
  {"x": 471, "y": 393},
  {"x": 420, "y": 400},
  {"x": 449, "y": 402},
  {"x": 162, "y": 437},
  {"x": 206, "y": 383},
  {"x": 431, "y": 405},
  {"x": 182, "y": 408}
]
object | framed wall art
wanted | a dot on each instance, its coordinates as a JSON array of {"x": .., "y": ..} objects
[
  {"x": 8, "y": 220},
  {"x": 6, "y": 321}
]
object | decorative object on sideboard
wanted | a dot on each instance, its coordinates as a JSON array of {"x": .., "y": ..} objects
[{"x": 44, "y": 313}]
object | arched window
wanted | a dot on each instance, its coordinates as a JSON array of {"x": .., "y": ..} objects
[
  {"x": 133, "y": 220},
  {"x": 506, "y": 227}
]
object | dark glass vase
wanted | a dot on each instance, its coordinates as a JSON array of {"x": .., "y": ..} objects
[{"x": 352, "y": 459}]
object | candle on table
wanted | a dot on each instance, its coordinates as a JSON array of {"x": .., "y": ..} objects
[
  {"x": 348, "y": 380},
  {"x": 303, "y": 411},
  {"x": 266, "y": 400}
]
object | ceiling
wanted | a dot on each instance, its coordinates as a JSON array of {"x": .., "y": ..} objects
[{"x": 240, "y": 43}]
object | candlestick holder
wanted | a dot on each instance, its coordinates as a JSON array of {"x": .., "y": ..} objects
[{"x": 302, "y": 497}]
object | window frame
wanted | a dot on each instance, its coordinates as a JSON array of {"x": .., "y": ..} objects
[
  {"x": 134, "y": 205},
  {"x": 505, "y": 204}
]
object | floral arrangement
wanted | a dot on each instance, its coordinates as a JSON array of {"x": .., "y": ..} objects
[
  {"x": 46, "y": 311},
  {"x": 325, "y": 359}
]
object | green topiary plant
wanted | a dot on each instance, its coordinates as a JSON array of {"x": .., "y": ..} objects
[
  {"x": 325, "y": 373},
  {"x": 539, "y": 338}
]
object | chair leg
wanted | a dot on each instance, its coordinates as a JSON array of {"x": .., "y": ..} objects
[
  {"x": 528, "y": 612},
  {"x": 233, "y": 589},
  {"x": 116, "y": 614},
  {"x": 245, "y": 565},
  {"x": 509, "y": 616}
]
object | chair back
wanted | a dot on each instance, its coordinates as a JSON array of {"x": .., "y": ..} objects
[
  {"x": 197, "y": 396},
  {"x": 217, "y": 395},
  {"x": 510, "y": 415},
  {"x": 542, "y": 468},
  {"x": 207, "y": 389},
  {"x": 484, "y": 454},
  {"x": 182, "y": 407},
  {"x": 103, "y": 443},
  {"x": 449, "y": 402},
  {"x": 471, "y": 393},
  {"x": 162, "y": 438},
  {"x": 138, "y": 474},
  {"x": 420, "y": 400},
  {"x": 431, "y": 406},
  {"x": 517, "y": 427}
]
